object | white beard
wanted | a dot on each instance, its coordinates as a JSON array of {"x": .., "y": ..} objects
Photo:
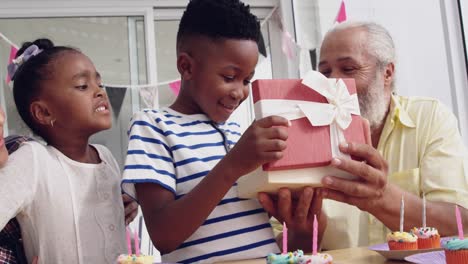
[{"x": 374, "y": 103}]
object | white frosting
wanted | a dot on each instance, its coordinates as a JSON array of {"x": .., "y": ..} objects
[
  {"x": 425, "y": 232},
  {"x": 320, "y": 258}
]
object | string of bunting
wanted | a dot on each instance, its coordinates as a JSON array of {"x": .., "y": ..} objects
[{"x": 305, "y": 56}]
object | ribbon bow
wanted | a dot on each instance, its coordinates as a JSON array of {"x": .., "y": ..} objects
[
  {"x": 28, "y": 53},
  {"x": 337, "y": 113}
]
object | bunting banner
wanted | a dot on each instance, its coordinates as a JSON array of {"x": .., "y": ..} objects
[
  {"x": 288, "y": 46},
  {"x": 304, "y": 53},
  {"x": 11, "y": 57},
  {"x": 175, "y": 87},
  {"x": 149, "y": 96},
  {"x": 116, "y": 97},
  {"x": 13, "y": 51},
  {"x": 341, "y": 16}
]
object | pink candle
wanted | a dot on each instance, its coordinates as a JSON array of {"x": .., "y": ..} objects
[
  {"x": 459, "y": 223},
  {"x": 314, "y": 236},
  {"x": 137, "y": 244},
  {"x": 285, "y": 238},
  {"x": 129, "y": 241}
]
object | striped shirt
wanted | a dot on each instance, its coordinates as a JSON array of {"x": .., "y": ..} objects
[{"x": 176, "y": 151}]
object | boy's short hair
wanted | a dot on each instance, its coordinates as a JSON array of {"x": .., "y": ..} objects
[{"x": 218, "y": 19}]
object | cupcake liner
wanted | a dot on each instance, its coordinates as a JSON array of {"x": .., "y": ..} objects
[
  {"x": 456, "y": 256},
  {"x": 431, "y": 242},
  {"x": 395, "y": 245}
]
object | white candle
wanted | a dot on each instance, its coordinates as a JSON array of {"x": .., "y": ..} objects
[
  {"x": 424, "y": 211},
  {"x": 402, "y": 213}
]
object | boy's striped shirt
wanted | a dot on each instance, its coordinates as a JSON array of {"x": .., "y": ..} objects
[{"x": 176, "y": 151}]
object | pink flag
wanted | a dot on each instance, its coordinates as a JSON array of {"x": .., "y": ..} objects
[
  {"x": 341, "y": 17},
  {"x": 175, "y": 87},
  {"x": 13, "y": 52},
  {"x": 287, "y": 45}
]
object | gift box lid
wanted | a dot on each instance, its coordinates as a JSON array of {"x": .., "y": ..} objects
[{"x": 307, "y": 145}]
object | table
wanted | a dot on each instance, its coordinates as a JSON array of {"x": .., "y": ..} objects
[{"x": 360, "y": 255}]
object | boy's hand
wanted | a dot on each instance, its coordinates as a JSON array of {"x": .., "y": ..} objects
[{"x": 264, "y": 141}]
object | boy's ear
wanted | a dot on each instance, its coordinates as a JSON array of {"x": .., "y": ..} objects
[
  {"x": 185, "y": 64},
  {"x": 41, "y": 114}
]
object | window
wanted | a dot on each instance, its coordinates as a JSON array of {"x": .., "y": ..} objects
[{"x": 131, "y": 43}]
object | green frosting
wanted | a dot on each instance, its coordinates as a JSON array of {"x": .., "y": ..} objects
[{"x": 456, "y": 244}]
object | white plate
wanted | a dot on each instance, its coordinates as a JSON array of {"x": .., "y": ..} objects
[
  {"x": 383, "y": 250},
  {"x": 435, "y": 257}
]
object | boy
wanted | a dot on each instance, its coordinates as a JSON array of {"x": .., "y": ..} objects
[{"x": 180, "y": 158}]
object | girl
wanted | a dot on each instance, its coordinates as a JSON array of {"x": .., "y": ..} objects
[
  {"x": 65, "y": 194},
  {"x": 10, "y": 245},
  {"x": 3, "y": 149}
]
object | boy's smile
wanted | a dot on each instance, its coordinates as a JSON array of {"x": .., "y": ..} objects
[{"x": 216, "y": 76}]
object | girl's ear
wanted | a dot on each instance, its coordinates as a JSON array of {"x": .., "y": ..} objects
[
  {"x": 185, "y": 65},
  {"x": 41, "y": 114}
]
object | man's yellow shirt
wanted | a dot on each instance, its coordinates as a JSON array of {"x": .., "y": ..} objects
[{"x": 425, "y": 153}]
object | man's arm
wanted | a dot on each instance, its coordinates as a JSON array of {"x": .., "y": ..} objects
[
  {"x": 443, "y": 159},
  {"x": 440, "y": 215}
]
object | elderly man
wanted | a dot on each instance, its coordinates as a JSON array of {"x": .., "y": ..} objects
[{"x": 416, "y": 148}]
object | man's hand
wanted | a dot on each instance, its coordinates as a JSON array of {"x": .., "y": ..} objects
[
  {"x": 131, "y": 208},
  {"x": 297, "y": 212},
  {"x": 368, "y": 190}
]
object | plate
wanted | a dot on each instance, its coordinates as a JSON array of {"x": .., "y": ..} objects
[
  {"x": 383, "y": 250},
  {"x": 434, "y": 257}
]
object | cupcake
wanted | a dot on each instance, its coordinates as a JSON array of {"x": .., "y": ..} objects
[
  {"x": 134, "y": 259},
  {"x": 320, "y": 258},
  {"x": 428, "y": 237},
  {"x": 402, "y": 241},
  {"x": 456, "y": 251},
  {"x": 285, "y": 258}
]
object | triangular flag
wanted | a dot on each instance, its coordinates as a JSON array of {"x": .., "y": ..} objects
[
  {"x": 261, "y": 46},
  {"x": 149, "y": 96},
  {"x": 341, "y": 16},
  {"x": 116, "y": 97},
  {"x": 175, "y": 87},
  {"x": 13, "y": 52},
  {"x": 287, "y": 45}
]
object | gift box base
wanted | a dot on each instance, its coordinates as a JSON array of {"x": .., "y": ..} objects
[{"x": 271, "y": 181}]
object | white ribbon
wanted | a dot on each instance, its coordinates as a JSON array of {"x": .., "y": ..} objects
[{"x": 336, "y": 114}]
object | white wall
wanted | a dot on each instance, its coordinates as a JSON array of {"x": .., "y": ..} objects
[
  {"x": 417, "y": 31},
  {"x": 425, "y": 66}
]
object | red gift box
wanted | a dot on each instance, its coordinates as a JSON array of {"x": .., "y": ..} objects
[
  {"x": 321, "y": 118},
  {"x": 308, "y": 145}
]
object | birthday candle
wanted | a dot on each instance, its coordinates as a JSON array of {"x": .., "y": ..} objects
[
  {"x": 285, "y": 238},
  {"x": 129, "y": 241},
  {"x": 402, "y": 213},
  {"x": 459, "y": 223},
  {"x": 424, "y": 211},
  {"x": 137, "y": 244},
  {"x": 314, "y": 237}
]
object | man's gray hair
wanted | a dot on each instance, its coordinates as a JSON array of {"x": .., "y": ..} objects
[{"x": 379, "y": 43}]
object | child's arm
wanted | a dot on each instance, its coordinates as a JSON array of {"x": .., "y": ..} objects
[
  {"x": 170, "y": 222},
  {"x": 130, "y": 208},
  {"x": 18, "y": 181}
]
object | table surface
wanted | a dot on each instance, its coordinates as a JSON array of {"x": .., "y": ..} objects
[{"x": 360, "y": 255}]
